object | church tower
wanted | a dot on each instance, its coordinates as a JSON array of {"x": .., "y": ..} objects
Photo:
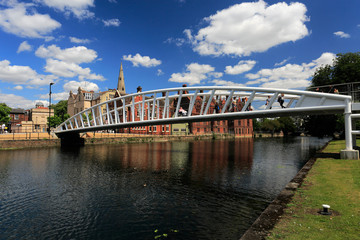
[{"x": 121, "y": 82}]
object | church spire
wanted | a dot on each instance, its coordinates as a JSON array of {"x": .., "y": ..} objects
[{"x": 121, "y": 81}]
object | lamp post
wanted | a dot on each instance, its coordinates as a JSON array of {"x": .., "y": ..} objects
[{"x": 49, "y": 108}]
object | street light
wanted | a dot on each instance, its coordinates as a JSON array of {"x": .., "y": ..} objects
[{"x": 49, "y": 108}]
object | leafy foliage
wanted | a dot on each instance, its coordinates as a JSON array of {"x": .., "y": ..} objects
[
  {"x": 284, "y": 124},
  {"x": 60, "y": 113},
  {"x": 345, "y": 69},
  {"x": 4, "y": 113}
]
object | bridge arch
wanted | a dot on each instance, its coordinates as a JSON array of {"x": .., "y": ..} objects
[{"x": 164, "y": 106}]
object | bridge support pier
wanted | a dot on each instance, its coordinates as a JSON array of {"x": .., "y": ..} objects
[
  {"x": 349, "y": 152},
  {"x": 71, "y": 140}
]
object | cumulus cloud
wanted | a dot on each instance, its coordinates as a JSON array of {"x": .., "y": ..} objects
[
  {"x": 112, "y": 22},
  {"x": 78, "y": 54},
  {"x": 79, "y": 40},
  {"x": 24, "y": 46},
  {"x": 194, "y": 74},
  {"x": 79, "y": 8},
  {"x": 19, "y": 21},
  {"x": 69, "y": 70},
  {"x": 22, "y": 75},
  {"x": 144, "y": 61},
  {"x": 241, "y": 67},
  {"x": 66, "y": 62},
  {"x": 342, "y": 34},
  {"x": 74, "y": 85},
  {"x": 242, "y": 28},
  {"x": 289, "y": 75}
]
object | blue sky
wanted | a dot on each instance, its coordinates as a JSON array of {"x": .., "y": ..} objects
[{"x": 167, "y": 43}]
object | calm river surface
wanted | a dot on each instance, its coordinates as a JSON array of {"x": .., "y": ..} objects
[{"x": 185, "y": 190}]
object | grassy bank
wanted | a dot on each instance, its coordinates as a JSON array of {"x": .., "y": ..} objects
[{"x": 330, "y": 181}]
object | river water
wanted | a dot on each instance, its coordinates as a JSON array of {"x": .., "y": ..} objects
[{"x": 169, "y": 190}]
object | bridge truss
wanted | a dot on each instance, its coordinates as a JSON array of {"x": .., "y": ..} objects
[{"x": 163, "y": 106}]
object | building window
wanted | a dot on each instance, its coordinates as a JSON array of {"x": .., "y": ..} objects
[
  {"x": 163, "y": 128},
  {"x": 150, "y": 128},
  {"x": 155, "y": 130},
  {"x": 16, "y": 117},
  {"x": 176, "y": 129},
  {"x": 167, "y": 129}
]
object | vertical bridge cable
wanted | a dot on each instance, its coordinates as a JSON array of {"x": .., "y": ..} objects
[
  {"x": 87, "y": 118},
  {"x": 272, "y": 100},
  {"x": 209, "y": 102},
  {"x": 228, "y": 101},
  {"x": 192, "y": 102},
  {"x": 178, "y": 104},
  {"x": 94, "y": 116},
  {"x": 248, "y": 102},
  {"x": 153, "y": 107},
  {"x": 100, "y": 116},
  {"x": 132, "y": 109}
]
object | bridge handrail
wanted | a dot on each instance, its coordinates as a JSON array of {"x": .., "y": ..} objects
[{"x": 208, "y": 94}]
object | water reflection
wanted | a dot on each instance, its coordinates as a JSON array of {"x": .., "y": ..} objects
[{"x": 203, "y": 189}]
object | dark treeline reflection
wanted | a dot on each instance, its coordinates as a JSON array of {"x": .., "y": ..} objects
[{"x": 187, "y": 190}]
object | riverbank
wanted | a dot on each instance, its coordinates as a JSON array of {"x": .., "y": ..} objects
[
  {"x": 295, "y": 212},
  {"x": 24, "y": 141}
]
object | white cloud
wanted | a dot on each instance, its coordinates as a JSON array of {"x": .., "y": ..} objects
[
  {"x": 74, "y": 85},
  {"x": 18, "y": 21},
  {"x": 69, "y": 70},
  {"x": 79, "y": 40},
  {"x": 65, "y": 62},
  {"x": 144, "y": 61},
  {"x": 22, "y": 75},
  {"x": 15, "y": 101},
  {"x": 24, "y": 46},
  {"x": 78, "y": 54},
  {"x": 18, "y": 87},
  {"x": 160, "y": 72},
  {"x": 250, "y": 27},
  {"x": 112, "y": 22},
  {"x": 342, "y": 34},
  {"x": 282, "y": 62},
  {"x": 290, "y": 75},
  {"x": 241, "y": 67},
  {"x": 177, "y": 41},
  {"x": 220, "y": 82},
  {"x": 194, "y": 74},
  {"x": 77, "y": 7}
]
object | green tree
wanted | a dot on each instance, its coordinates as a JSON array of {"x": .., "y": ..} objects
[
  {"x": 287, "y": 125},
  {"x": 4, "y": 113},
  {"x": 345, "y": 69},
  {"x": 60, "y": 113}
]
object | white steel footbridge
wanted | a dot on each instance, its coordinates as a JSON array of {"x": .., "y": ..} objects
[{"x": 196, "y": 104}]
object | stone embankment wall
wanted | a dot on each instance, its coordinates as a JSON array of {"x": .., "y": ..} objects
[{"x": 33, "y": 143}]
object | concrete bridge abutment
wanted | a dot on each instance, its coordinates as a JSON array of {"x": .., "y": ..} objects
[{"x": 71, "y": 140}]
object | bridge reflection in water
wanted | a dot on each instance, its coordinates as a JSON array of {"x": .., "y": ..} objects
[{"x": 202, "y": 189}]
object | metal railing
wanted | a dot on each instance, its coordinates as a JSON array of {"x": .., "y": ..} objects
[{"x": 189, "y": 104}]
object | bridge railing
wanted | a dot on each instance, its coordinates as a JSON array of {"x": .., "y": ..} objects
[{"x": 197, "y": 103}]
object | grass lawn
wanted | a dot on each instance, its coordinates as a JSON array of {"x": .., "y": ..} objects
[{"x": 332, "y": 182}]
